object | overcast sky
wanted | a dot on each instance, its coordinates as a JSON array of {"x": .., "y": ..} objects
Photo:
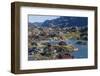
[{"x": 34, "y": 18}]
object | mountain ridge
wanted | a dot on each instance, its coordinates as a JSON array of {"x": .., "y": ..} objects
[{"x": 63, "y": 21}]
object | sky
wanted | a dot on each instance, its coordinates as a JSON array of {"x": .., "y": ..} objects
[{"x": 34, "y": 18}]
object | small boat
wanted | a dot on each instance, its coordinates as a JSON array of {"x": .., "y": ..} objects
[{"x": 76, "y": 49}]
